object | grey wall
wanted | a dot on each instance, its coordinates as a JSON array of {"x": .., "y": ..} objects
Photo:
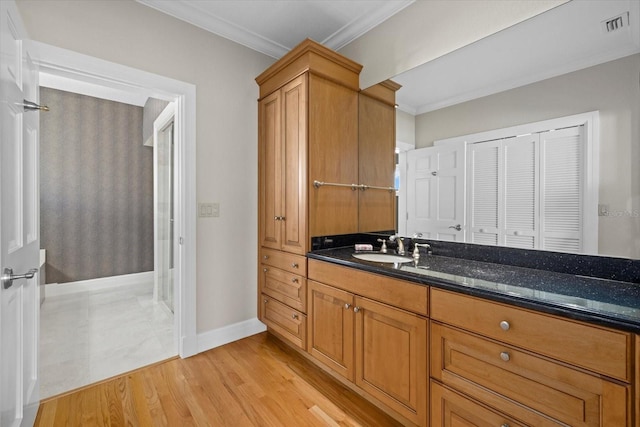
[{"x": 96, "y": 188}]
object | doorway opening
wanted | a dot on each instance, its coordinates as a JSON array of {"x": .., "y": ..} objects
[{"x": 178, "y": 290}]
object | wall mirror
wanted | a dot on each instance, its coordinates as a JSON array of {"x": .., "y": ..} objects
[{"x": 580, "y": 57}]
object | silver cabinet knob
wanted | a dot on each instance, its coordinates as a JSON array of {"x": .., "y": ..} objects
[
  {"x": 265, "y": 257},
  {"x": 505, "y": 356},
  {"x": 294, "y": 316},
  {"x": 266, "y": 301},
  {"x": 504, "y": 325},
  {"x": 276, "y": 218},
  {"x": 265, "y": 270},
  {"x": 294, "y": 280},
  {"x": 505, "y": 425},
  {"x": 356, "y": 309},
  {"x": 347, "y": 306},
  {"x": 294, "y": 265}
]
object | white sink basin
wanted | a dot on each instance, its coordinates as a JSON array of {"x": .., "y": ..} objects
[{"x": 390, "y": 258}]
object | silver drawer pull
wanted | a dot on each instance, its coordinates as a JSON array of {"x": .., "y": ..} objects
[
  {"x": 294, "y": 316},
  {"x": 504, "y": 325},
  {"x": 505, "y": 425},
  {"x": 347, "y": 306},
  {"x": 294, "y": 280},
  {"x": 266, "y": 257},
  {"x": 505, "y": 356},
  {"x": 294, "y": 265}
]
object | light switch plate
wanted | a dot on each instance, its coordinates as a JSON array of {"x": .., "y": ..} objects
[
  {"x": 208, "y": 210},
  {"x": 603, "y": 210}
]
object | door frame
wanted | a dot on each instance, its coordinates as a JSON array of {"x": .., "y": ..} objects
[
  {"x": 163, "y": 120},
  {"x": 76, "y": 66}
]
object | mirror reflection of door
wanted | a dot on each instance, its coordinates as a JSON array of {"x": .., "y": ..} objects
[{"x": 164, "y": 198}]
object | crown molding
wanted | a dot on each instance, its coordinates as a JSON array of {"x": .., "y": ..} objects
[
  {"x": 360, "y": 25},
  {"x": 191, "y": 13}
]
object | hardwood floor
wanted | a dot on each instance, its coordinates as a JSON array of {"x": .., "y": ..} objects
[{"x": 256, "y": 381}]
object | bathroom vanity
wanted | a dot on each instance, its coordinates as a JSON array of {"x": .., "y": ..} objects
[
  {"x": 466, "y": 335},
  {"x": 503, "y": 345}
]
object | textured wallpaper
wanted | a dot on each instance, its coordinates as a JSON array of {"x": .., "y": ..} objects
[{"x": 96, "y": 188}]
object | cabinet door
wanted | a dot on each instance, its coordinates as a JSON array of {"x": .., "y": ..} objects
[
  {"x": 376, "y": 160},
  {"x": 331, "y": 321},
  {"x": 391, "y": 357},
  {"x": 333, "y": 157},
  {"x": 451, "y": 409},
  {"x": 270, "y": 173},
  {"x": 294, "y": 166}
]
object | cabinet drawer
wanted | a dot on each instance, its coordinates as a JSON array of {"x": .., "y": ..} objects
[
  {"x": 286, "y": 287},
  {"x": 601, "y": 350},
  {"x": 397, "y": 293},
  {"x": 287, "y": 322},
  {"x": 449, "y": 408},
  {"x": 284, "y": 260},
  {"x": 512, "y": 381}
]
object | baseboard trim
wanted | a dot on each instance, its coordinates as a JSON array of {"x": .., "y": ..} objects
[
  {"x": 225, "y": 335},
  {"x": 55, "y": 289}
]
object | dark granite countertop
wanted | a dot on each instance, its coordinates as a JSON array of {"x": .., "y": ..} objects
[{"x": 604, "y": 302}]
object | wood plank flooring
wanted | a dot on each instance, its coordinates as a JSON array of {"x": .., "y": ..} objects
[{"x": 256, "y": 381}]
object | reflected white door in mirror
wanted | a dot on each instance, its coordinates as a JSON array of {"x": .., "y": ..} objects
[{"x": 531, "y": 186}]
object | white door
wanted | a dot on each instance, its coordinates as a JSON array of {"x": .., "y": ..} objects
[
  {"x": 19, "y": 234},
  {"x": 435, "y": 192},
  {"x": 163, "y": 194}
]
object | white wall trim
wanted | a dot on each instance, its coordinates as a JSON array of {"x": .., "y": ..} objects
[
  {"x": 66, "y": 63},
  {"x": 221, "y": 336},
  {"x": 101, "y": 283}
]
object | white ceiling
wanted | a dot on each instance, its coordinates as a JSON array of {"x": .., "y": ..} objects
[
  {"x": 564, "y": 39},
  {"x": 274, "y": 27}
]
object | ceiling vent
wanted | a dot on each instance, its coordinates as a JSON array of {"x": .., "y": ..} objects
[{"x": 616, "y": 23}]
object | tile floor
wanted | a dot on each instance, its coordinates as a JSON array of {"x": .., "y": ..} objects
[{"x": 89, "y": 336}]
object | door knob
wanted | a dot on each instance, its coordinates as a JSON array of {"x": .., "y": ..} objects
[
  {"x": 8, "y": 277},
  {"x": 456, "y": 227}
]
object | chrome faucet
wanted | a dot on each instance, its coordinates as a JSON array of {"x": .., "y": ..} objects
[{"x": 400, "y": 249}]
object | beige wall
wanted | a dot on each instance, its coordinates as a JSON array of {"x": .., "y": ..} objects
[
  {"x": 128, "y": 33},
  {"x": 613, "y": 89},
  {"x": 405, "y": 128},
  {"x": 428, "y": 29}
]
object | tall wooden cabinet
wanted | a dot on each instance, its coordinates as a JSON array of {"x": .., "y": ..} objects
[{"x": 307, "y": 131}]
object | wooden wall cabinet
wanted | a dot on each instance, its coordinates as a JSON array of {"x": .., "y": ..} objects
[{"x": 381, "y": 348}]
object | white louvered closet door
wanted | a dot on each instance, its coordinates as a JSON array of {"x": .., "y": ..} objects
[
  {"x": 562, "y": 180},
  {"x": 521, "y": 193},
  {"x": 485, "y": 196}
]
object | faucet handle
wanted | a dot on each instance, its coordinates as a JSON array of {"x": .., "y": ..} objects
[
  {"x": 416, "y": 249},
  {"x": 383, "y": 248}
]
